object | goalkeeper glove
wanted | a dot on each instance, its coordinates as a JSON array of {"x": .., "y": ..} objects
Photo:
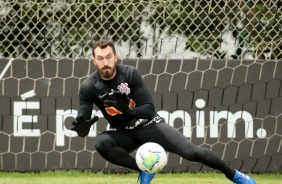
[
  {"x": 82, "y": 126},
  {"x": 121, "y": 103}
]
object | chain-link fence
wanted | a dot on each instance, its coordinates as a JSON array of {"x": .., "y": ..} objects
[
  {"x": 142, "y": 28},
  {"x": 203, "y": 98}
]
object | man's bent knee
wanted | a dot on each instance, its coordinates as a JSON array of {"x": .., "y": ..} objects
[{"x": 104, "y": 143}]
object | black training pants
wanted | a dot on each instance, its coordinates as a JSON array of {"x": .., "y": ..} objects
[{"x": 115, "y": 146}]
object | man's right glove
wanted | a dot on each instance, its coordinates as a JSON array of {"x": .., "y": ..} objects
[{"x": 82, "y": 126}]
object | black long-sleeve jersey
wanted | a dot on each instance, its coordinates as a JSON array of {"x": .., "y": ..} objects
[{"x": 95, "y": 90}]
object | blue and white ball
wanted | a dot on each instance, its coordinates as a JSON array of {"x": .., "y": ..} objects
[{"x": 151, "y": 157}]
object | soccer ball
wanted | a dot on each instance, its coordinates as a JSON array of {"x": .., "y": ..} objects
[{"x": 151, "y": 157}]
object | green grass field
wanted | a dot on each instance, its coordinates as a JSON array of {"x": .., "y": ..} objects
[{"x": 76, "y": 177}]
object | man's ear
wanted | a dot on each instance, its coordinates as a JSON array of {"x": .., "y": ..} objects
[
  {"x": 116, "y": 57},
  {"x": 93, "y": 60}
]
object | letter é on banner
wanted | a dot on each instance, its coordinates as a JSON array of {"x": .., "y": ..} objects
[{"x": 20, "y": 119}]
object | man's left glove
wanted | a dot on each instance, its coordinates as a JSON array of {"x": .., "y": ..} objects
[
  {"x": 121, "y": 103},
  {"x": 82, "y": 126}
]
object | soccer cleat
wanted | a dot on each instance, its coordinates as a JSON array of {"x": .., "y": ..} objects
[
  {"x": 240, "y": 178},
  {"x": 145, "y": 178}
]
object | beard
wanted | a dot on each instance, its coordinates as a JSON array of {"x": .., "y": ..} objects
[{"x": 107, "y": 72}]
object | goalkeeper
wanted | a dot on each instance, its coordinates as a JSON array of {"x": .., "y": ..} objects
[{"x": 119, "y": 92}]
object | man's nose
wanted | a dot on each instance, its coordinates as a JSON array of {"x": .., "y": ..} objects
[{"x": 106, "y": 62}]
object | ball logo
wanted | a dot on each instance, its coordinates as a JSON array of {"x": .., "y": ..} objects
[{"x": 151, "y": 159}]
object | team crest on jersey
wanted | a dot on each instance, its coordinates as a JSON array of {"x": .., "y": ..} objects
[{"x": 123, "y": 87}]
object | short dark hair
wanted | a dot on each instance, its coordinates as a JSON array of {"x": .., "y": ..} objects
[{"x": 103, "y": 44}]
